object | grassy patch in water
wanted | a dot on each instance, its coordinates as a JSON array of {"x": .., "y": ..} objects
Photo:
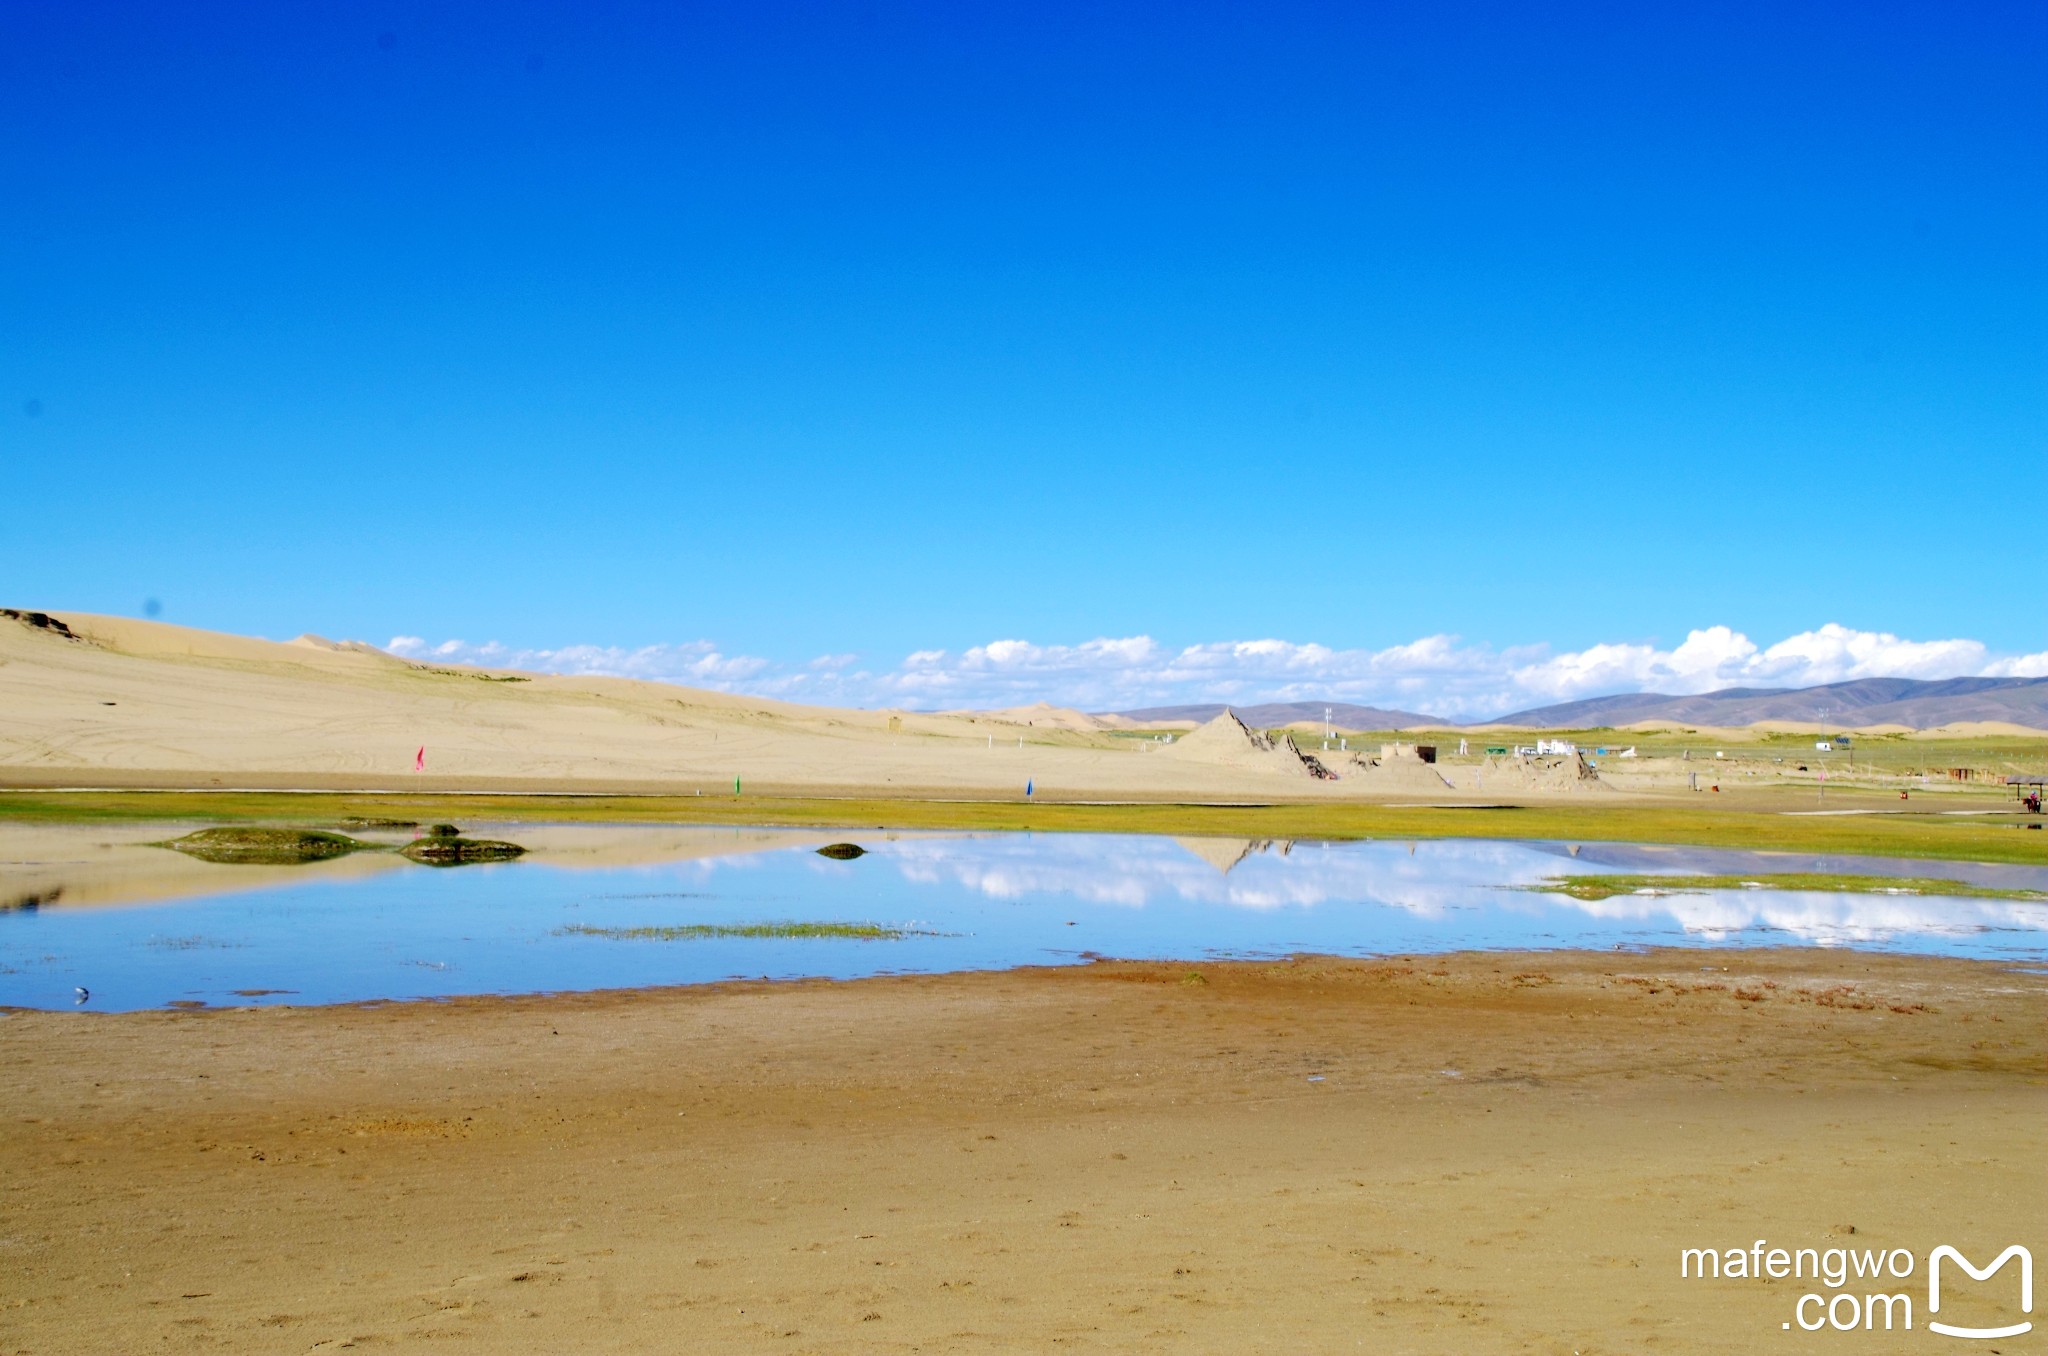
[
  {"x": 452, "y": 850},
  {"x": 1608, "y": 886},
  {"x": 861, "y": 932},
  {"x": 251, "y": 844}
]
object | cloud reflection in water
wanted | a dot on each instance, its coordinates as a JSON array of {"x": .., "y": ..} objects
[{"x": 1428, "y": 880}]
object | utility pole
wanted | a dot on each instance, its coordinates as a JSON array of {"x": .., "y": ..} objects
[{"x": 1823, "y": 795}]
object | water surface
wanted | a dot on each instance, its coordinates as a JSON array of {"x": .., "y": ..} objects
[{"x": 372, "y": 929}]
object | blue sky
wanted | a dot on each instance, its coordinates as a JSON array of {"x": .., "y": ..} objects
[{"x": 773, "y": 333}]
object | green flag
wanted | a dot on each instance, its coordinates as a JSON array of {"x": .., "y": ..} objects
[{"x": 735, "y": 786}]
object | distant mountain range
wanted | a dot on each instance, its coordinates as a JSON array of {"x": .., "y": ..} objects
[
  {"x": 1865, "y": 701},
  {"x": 1911, "y": 702}
]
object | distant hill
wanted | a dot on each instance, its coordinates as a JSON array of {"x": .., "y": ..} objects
[
  {"x": 1270, "y": 715},
  {"x": 1865, "y": 701},
  {"x": 1912, "y": 702}
]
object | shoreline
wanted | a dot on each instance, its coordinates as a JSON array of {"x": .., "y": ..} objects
[
  {"x": 1497, "y": 1151},
  {"x": 1756, "y": 820},
  {"x": 1664, "y": 957}
]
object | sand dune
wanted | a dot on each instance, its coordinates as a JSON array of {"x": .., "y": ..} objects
[
  {"x": 140, "y": 695},
  {"x": 1979, "y": 729},
  {"x": 1047, "y": 716},
  {"x": 137, "y": 697},
  {"x": 107, "y": 701},
  {"x": 145, "y": 703},
  {"x": 1729, "y": 734}
]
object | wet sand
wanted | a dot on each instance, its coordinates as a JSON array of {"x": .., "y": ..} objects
[{"x": 1116, "y": 1157}]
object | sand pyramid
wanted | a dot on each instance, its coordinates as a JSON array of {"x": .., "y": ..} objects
[
  {"x": 1228, "y": 742},
  {"x": 1222, "y": 853}
]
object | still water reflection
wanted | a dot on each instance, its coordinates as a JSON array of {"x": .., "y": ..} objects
[{"x": 340, "y": 932}]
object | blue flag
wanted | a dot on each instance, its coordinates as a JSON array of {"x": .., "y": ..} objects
[{"x": 1027, "y": 787}]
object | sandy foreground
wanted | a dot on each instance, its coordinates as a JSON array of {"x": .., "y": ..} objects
[{"x": 1477, "y": 1153}]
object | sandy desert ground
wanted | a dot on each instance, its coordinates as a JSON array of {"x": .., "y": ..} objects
[
  {"x": 140, "y": 703},
  {"x": 1477, "y": 1153},
  {"x": 112, "y": 702}
]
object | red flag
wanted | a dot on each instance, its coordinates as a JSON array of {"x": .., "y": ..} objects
[{"x": 419, "y": 760}]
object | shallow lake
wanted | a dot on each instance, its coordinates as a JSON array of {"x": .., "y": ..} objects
[{"x": 142, "y": 927}]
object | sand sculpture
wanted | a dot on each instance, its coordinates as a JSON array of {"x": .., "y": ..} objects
[
  {"x": 1398, "y": 767},
  {"x": 1228, "y": 742}
]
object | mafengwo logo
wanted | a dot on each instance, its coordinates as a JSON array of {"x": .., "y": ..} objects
[
  {"x": 1946, "y": 1253},
  {"x": 1860, "y": 1291}
]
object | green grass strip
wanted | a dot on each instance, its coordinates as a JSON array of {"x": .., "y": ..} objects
[
  {"x": 1994, "y": 838},
  {"x": 1608, "y": 886}
]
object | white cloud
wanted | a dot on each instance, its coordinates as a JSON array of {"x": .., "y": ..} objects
[
  {"x": 1436, "y": 674},
  {"x": 2019, "y": 666},
  {"x": 695, "y": 662},
  {"x": 1836, "y": 653}
]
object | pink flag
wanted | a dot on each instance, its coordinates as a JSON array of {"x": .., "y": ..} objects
[{"x": 419, "y": 760}]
